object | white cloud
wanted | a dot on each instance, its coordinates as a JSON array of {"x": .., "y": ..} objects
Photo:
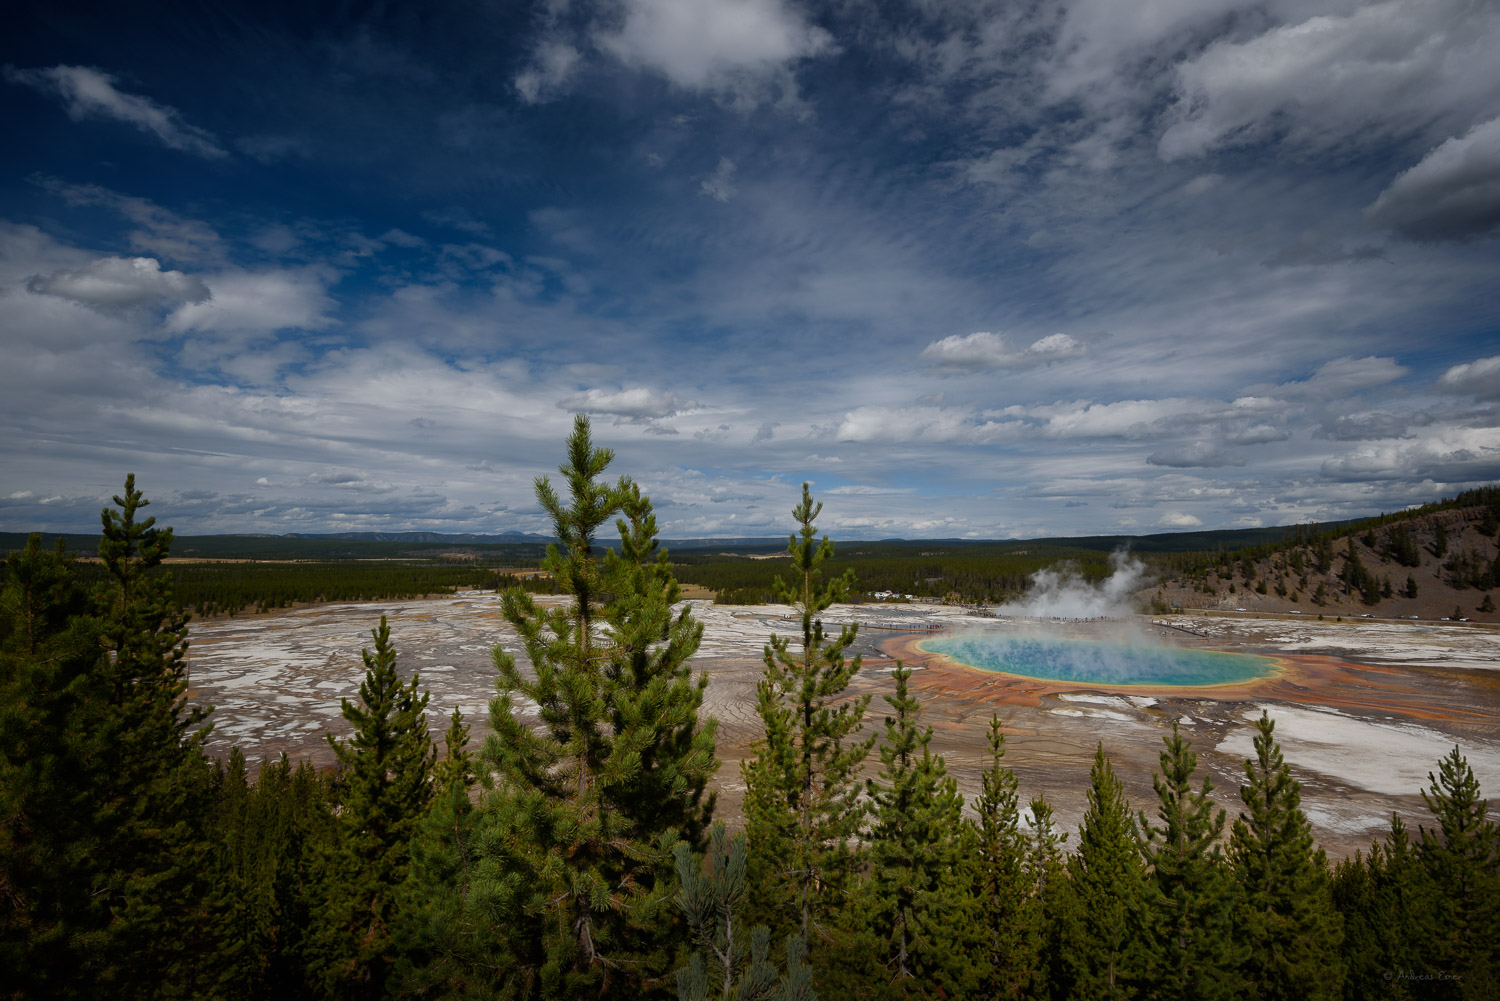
[
  {"x": 985, "y": 351},
  {"x": 90, "y": 92},
  {"x": 712, "y": 44},
  {"x": 1452, "y": 194},
  {"x": 1383, "y": 68},
  {"x": 1256, "y": 434},
  {"x": 120, "y": 283},
  {"x": 1203, "y": 453},
  {"x": 639, "y": 404},
  {"x": 162, "y": 232},
  {"x": 859, "y": 490},
  {"x": 258, "y": 301},
  {"x": 924, "y": 424},
  {"x": 720, "y": 184},
  {"x": 1346, "y": 375},
  {"x": 1179, "y": 519},
  {"x": 552, "y": 65},
  {"x": 1479, "y": 378},
  {"x": 1449, "y": 455},
  {"x": 1097, "y": 36},
  {"x": 1123, "y": 419}
]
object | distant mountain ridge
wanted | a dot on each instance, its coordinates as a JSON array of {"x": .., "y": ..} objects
[
  {"x": 504, "y": 538},
  {"x": 515, "y": 538}
]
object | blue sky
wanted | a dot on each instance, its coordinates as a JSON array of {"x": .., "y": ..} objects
[{"x": 975, "y": 269}]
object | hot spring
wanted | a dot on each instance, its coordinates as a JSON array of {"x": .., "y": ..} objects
[{"x": 1093, "y": 662}]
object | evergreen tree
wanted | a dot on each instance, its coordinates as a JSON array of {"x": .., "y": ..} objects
[
  {"x": 1011, "y": 914},
  {"x": 1102, "y": 953},
  {"x": 920, "y": 910},
  {"x": 732, "y": 961},
  {"x": 577, "y": 836},
  {"x": 1194, "y": 953},
  {"x": 1462, "y": 858},
  {"x": 1411, "y": 586},
  {"x": 385, "y": 768},
  {"x": 1285, "y": 913},
  {"x": 1386, "y": 904},
  {"x": 141, "y": 744},
  {"x": 1440, "y": 540},
  {"x": 1047, "y": 873},
  {"x": 445, "y": 948},
  {"x": 802, "y": 803},
  {"x": 266, "y": 837},
  {"x": 49, "y": 652}
]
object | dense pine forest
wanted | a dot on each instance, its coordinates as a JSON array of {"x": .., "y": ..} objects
[{"x": 576, "y": 854}]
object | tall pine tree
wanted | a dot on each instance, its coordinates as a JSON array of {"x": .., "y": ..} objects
[
  {"x": 1284, "y": 912},
  {"x": 802, "y": 787},
  {"x": 1462, "y": 858},
  {"x": 1194, "y": 954},
  {"x": 920, "y": 911},
  {"x": 1011, "y": 914},
  {"x": 577, "y": 836},
  {"x": 142, "y": 744},
  {"x": 385, "y": 768},
  {"x": 1102, "y": 953}
]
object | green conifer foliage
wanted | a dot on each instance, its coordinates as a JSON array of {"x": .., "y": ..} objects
[
  {"x": 802, "y": 796},
  {"x": 1462, "y": 858},
  {"x": 445, "y": 948},
  {"x": 143, "y": 747},
  {"x": 920, "y": 912},
  {"x": 576, "y": 869},
  {"x": 1193, "y": 951},
  {"x": 1009, "y": 964},
  {"x": 1102, "y": 952},
  {"x": 49, "y": 649},
  {"x": 266, "y": 837},
  {"x": 385, "y": 768},
  {"x": 1387, "y": 906},
  {"x": 1285, "y": 912},
  {"x": 732, "y": 961}
]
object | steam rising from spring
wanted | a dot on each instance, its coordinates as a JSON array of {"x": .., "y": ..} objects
[
  {"x": 1047, "y": 651},
  {"x": 1063, "y": 594}
]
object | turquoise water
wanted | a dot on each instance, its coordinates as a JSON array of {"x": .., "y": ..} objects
[{"x": 1097, "y": 663}]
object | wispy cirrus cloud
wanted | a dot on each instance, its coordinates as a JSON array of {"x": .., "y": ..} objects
[{"x": 91, "y": 93}]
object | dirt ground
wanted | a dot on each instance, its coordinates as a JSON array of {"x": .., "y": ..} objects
[{"x": 1364, "y": 709}]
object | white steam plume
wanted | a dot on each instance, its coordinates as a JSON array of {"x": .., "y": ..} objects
[{"x": 1063, "y": 594}]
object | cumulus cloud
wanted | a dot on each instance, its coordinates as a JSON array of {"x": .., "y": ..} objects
[
  {"x": 1479, "y": 378},
  {"x": 1256, "y": 434},
  {"x": 1381, "y": 68},
  {"x": 712, "y": 44},
  {"x": 1179, "y": 519},
  {"x": 1368, "y": 425},
  {"x": 638, "y": 404},
  {"x": 114, "y": 283},
  {"x": 258, "y": 301},
  {"x": 1453, "y": 455},
  {"x": 985, "y": 351},
  {"x": 1452, "y": 194},
  {"x": 90, "y": 92},
  {"x": 1121, "y": 419},
  {"x": 1202, "y": 453}
]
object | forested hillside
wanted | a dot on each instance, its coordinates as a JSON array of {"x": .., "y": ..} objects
[
  {"x": 1440, "y": 560},
  {"x": 577, "y": 856}
]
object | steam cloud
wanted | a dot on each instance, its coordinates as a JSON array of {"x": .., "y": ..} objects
[{"x": 1063, "y": 594}]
